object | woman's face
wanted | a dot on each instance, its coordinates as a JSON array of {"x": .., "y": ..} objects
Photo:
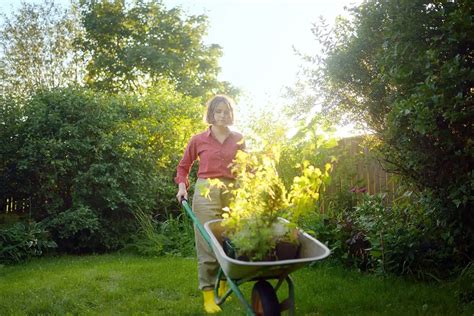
[{"x": 222, "y": 115}]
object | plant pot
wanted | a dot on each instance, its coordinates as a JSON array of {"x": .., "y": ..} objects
[
  {"x": 228, "y": 247},
  {"x": 231, "y": 251},
  {"x": 284, "y": 250},
  {"x": 287, "y": 250}
]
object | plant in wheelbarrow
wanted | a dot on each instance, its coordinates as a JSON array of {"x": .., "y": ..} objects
[{"x": 253, "y": 225}]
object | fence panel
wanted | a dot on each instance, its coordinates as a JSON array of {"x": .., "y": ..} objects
[
  {"x": 10, "y": 205},
  {"x": 362, "y": 171}
]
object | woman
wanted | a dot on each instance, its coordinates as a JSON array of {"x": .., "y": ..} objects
[{"x": 215, "y": 148}]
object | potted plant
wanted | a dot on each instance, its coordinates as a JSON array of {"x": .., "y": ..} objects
[{"x": 253, "y": 228}]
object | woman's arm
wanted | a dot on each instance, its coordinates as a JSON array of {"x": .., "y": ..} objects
[{"x": 190, "y": 155}]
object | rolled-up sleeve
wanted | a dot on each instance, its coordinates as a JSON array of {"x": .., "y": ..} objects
[{"x": 184, "y": 166}]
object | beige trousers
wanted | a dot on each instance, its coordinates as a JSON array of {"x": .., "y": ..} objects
[{"x": 207, "y": 209}]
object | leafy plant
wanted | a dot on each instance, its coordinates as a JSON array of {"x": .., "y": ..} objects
[
  {"x": 75, "y": 228},
  {"x": 259, "y": 198},
  {"x": 22, "y": 241},
  {"x": 148, "y": 241},
  {"x": 371, "y": 218},
  {"x": 172, "y": 236},
  {"x": 401, "y": 237}
]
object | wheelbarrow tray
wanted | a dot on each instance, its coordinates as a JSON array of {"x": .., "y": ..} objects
[{"x": 311, "y": 250}]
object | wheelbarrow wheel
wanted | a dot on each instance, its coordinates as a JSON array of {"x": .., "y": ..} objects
[{"x": 264, "y": 299}]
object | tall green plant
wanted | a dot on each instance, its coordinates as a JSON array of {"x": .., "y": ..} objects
[{"x": 173, "y": 235}]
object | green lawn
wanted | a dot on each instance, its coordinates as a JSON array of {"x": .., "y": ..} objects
[{"x": 129, "y": 285}]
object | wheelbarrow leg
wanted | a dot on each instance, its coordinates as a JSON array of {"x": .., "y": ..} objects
[
  {"x": 221, "y": 299},
  {"x": 291, "y": 295},
  {"x": 233, "y": 287},
  {"x": 288, "y": 303}
]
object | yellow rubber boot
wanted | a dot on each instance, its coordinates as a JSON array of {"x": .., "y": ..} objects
[
  {"x": 209, "y": 305},
  {"x": 223, "y": 288}
]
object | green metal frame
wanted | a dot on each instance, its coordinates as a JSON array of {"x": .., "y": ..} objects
[{"x": 287, "y": 304}]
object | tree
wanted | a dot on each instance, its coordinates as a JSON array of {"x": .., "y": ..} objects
[
  {"x": 37, "y": 49},
  {"x": 405, "y": 68},
  {"x": 132, "y": 47}
]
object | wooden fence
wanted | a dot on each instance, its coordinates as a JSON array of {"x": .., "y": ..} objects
[
  {"x": 10, "y": 205},
  {"x": 358, "y": 170}
]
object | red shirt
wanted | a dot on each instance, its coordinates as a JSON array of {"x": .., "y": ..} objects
[{"x": 214, "y": 157}]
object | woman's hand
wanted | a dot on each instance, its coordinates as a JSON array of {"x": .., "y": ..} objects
[{"x": 182, "y": 192}]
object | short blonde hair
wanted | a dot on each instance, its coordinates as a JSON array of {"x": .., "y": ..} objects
[{"x": 214, "y": 102}]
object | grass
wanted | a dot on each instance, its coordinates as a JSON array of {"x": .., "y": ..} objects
[{"x": 118, "y": 284}]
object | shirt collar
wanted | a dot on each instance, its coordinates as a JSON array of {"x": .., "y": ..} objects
[{"x": 208, "y": 132}]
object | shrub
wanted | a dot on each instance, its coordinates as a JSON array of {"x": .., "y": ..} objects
[
  {"x": 332, "y": 229},
  {"x": 86, "y": 158},
  {"x": 404, "y": 69},
  {"x": 22, "y": 241},
  {"x": 402, "y": 238},
  {"x": 74, "y": 229}
]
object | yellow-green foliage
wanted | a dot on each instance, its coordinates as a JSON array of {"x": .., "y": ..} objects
[
  {"x": 259, "y": 197},
  {"x": 305, "y": 190}
]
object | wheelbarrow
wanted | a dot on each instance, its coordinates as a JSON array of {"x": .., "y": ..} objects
[{"x": 264, "y": 300}]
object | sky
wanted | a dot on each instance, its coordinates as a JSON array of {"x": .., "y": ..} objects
[{"x": 258, "y": 38}]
